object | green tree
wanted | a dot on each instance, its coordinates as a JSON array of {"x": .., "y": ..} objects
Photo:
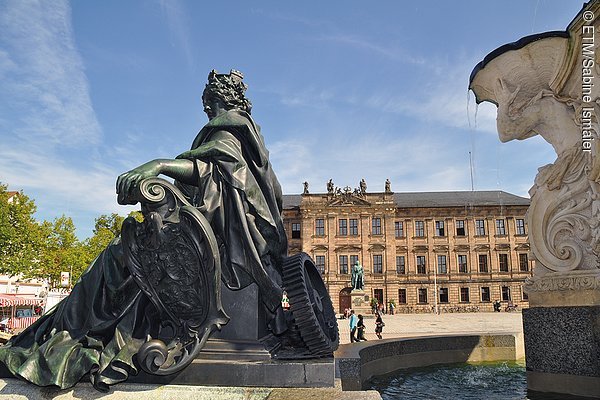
[
  {"x": 62, "y": 251},
  {"x": 106, "y": 228},
  {"x": 21, "y": 237}
]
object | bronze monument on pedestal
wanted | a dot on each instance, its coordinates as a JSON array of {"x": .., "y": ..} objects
[{"x": 153, "y": 297}]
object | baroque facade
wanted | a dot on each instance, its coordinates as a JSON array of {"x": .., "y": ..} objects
[{"x": 459, "y": 251}]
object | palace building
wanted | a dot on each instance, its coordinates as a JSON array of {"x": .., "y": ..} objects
[{"x": 459, "y": 251}]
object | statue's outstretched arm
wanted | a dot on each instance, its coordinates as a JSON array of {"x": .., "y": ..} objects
[{"x": 180, "y": 170}]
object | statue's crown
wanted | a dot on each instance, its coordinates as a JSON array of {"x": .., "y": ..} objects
[{"x": 233, "y": 78}]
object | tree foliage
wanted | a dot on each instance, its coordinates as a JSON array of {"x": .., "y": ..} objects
[
  {"x": 43, "y": 250},
  {"x": 21, "y": 237}
]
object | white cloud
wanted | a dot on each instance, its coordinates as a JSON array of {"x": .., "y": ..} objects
[
  {"x": 394, "y": 53},
  {"x": 49, "y": 132},
  {"x": 44, "y": 87},
  {"x": 177, "y": 22}
]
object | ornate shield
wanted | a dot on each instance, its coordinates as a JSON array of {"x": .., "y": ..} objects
[{"x": 174, "y": 258}]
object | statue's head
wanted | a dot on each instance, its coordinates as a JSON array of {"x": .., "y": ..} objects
[{"x": 225, "y": 92}]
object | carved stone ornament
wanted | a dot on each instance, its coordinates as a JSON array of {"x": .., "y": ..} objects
[
  {"x": 573, "y": 280},
  {"x": 347, "y": 196},
  {"x": 543, "y": 84},
  {"x": 174, "y": 258}
]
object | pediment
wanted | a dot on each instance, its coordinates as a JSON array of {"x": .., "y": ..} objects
[
  {"x": 462, "y": 247},
  {"x": 420, "y": 248},
  {"x": 522, "y": 246},
  {"x": 377, "y": 247},
  {"x": 348, "y": 247},
  {"x": 320, "y": 247},
  {"x": 440, "y": 249}
]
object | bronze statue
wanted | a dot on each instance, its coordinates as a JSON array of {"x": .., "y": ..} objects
[
  {"x": 358, "y": 277},
  {"x": 305, "y": 191},
  {"x": 154, "y": 294}
]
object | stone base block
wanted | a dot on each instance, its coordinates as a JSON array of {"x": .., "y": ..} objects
[
  {"x": 359, "y": 303},
  {"x": 272, "y": 373},
  {"x": 15, "y": 389},
  {"x": 562, "y": 349}
]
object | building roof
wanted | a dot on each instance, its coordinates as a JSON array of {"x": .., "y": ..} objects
[
  {"x": 440, "y": 199},
  {"x": 291, "y": 201}
]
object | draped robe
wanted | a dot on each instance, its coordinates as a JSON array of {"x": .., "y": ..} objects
[{"x": 101, "y": 325}]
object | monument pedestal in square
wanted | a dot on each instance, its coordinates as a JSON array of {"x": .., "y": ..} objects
[{"x": 360, "y": 302}]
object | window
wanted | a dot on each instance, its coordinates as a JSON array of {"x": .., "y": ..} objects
[
  {"x": 353, "y": 260},
  {"x": 422, "y": 296},
  {"x": 439, "y": 228},
  {"x": 503, "y": 261},
  {"x": 460, "y": 228},
  {"x": 399, "y": 229},
  {"x": 343, "y": 227},
  {"x": 354, "y": 227},
  {"x": 343, "y": 264},
  {"x": 479, "y": 227},
  {"x": 523, "y": 262},
  {"x": 524, "y": 294},
  {"x": 295, "y": 230},
  {"x": 402, "y": 296},
  {"x": 378, "y": 294},
  {"x": 443, "y": 295},
  {"x": 520, "y": 225},
  {"x": 377, "y": 264},
  {"x": 500, "y": 228},
  {"x": 462, "y": 264},
  {"x": 421, "y": 265},
  {"x": 419, "y": 229},
  {"x": 320, "y": 262},
  {"x": 483, "y": 263},
  {"x": 376, "y": 226},
  {"x": 485, "y": 293},
  {"x": 464, "y": 295},
  {"x": 320, "y": 227},
  {"x": 400, "y": 265},
  {"x": 442, "y": 267},
  {"x": 505, "y": 293}
]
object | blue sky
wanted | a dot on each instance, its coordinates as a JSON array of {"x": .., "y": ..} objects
[{"x": 342, "y": 90}]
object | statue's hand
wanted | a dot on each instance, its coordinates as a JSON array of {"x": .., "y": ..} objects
[
  {"x": 129, "y": 181},
  {"x": 186, "y": 155}
]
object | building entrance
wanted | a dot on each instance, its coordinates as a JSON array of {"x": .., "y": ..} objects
[{"x": 345, "y": 300}]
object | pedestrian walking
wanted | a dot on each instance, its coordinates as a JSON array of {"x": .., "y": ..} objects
[
  {"x": 379, "y": 324},
  {"x": 353, "y": 323},
  {"x": 360, "y": 326}
]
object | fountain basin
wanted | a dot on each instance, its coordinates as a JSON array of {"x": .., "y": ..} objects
[{"x": 357, "y": 363}]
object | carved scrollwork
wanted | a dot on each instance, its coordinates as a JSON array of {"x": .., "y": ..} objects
[
  {"x": 563, "y": 227},
  {"x": 173, "y": 256}
]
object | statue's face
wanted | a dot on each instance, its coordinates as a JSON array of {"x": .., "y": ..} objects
[{"x": 214, "y": 106}]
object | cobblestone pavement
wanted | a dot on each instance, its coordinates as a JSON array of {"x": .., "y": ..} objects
[{"x": 408, "y": 325}]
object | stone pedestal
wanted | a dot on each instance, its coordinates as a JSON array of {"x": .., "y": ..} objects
[
  {"x": 360, "y": 303},
  {"x": 562, "y": 349},
  {"x": 241, "y": 337},
  {"x": 562, "y": 333}
]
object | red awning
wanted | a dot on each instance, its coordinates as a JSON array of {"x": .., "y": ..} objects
[{"x": 8, "y": 300}]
